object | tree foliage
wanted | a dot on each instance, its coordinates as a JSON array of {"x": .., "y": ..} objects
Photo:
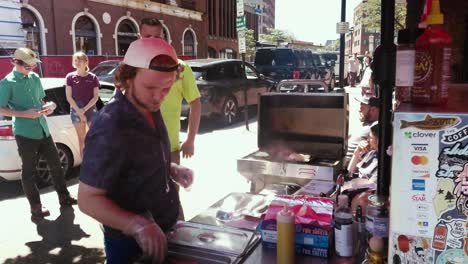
[
  {"x": 249, "y": 43},
  {"x": 274, "y": 36},
  {"x": 371, "y": 19}
]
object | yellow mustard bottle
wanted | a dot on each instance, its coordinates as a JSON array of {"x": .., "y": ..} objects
[{"x": 285, "y": 235}]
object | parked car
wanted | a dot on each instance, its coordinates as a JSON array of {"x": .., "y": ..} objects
[
  {"x": 60, "y": 127},
  {"x": 292, "y": 63},
  {"x": 221, "y": 83},
  {"x": 284, "y": 63},
  {"x": 333, "y": 60},
  {"x": 105, "y": 70}
]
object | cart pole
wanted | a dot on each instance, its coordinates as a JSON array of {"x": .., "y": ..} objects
[
  {"x": 342, "y": 44},
  {"x": 246, "y": 105},
  {"x": 385, "y": 60}
]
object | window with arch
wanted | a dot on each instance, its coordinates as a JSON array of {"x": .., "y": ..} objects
[
  {"x": 211, "y": 52},
  {"x": 189, "y": 44},
  {"x": 127, "y": 32},
  {"x": 32, "y": 30},
  {"x": 86, "y": 36}
]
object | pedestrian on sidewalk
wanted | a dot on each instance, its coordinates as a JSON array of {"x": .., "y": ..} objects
[
  {"x": 353, "y": 69},
  {"x": 127, "y": 181},
  {"x": 82, "y": 91},
  {"x": 184, "y": 88},
  {"x": 21, "y": 96}
]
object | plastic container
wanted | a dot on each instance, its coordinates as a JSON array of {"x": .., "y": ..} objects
[
  {"x": 343, "y": 228},
  {"x": 285, "y": 232},
  {"x": 432, "y": 69}
]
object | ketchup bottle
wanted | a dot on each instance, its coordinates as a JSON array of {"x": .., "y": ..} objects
[{"x": 432, "y": 66}]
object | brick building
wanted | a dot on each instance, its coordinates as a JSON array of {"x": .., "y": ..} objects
[
  {"x": 222, "y": 35},
  {"x": 106, "y": 27},
  {"x": 360, "y": 39}
]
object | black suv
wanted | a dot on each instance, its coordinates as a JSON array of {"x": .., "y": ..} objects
[{"x": 291, "y": 63}]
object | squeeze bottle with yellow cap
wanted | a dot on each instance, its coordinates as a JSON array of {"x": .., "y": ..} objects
[
  {"x": 432, "y": 64},
  {"x": 285, "y": 236}
]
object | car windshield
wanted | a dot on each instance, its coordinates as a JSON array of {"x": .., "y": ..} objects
[
  {"x": 284, "y": 57},
  {"x": 104, "y": 69}
]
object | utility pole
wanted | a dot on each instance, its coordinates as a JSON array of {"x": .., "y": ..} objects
[{"x": 342, "y": 29}]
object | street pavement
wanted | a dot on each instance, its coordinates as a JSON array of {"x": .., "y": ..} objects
[{"x": 69, "y": 236}]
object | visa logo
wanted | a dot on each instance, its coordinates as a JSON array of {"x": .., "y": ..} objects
[
  {"x": 419, "y": 185},
  {"x": 419, "y": 147}
]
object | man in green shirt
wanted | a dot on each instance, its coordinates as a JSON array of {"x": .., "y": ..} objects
[{"x": 21, "y": 95}]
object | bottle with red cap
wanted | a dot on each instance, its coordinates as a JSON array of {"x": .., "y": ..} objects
[{"x": 432, "y": 67}]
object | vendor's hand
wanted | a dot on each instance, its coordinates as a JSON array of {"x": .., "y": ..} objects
[
  {"x": 149, "y": 237},
  {"x": 188, "y": 148},
  {"x": 182, "y": 175}
]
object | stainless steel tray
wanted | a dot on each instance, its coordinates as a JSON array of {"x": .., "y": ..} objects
[{"x": 215, "y": 239}]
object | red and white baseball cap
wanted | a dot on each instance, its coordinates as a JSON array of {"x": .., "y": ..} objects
[{"x": 141, "y": 52}]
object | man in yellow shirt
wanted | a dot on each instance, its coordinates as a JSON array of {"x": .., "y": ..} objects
[{"x": 184, "y": 87}]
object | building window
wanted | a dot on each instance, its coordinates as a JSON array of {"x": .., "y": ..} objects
[
  {"x": 85, "y": 36},
  {"x": 32, "y": 30},
  {"x": 189, "y": 44},
  {"x": 211, "y": 53},
  {"x": 127, "y": 32},
  {"x": 227, "y": 54}
]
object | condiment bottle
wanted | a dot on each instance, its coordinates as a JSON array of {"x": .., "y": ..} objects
[
  {"x": 405, "y": 60},
  {"x": 343, "y": 228},
  {"x": 285, "y": 233},
  {"x": 360, "y": 235},
  {"x": 432, "y": 68}
]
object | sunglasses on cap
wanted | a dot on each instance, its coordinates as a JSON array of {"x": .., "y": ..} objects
[{"x": 25, "y": 65}]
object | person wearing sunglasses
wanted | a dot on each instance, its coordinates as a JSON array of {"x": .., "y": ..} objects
[{"x": 21, "y": 97}]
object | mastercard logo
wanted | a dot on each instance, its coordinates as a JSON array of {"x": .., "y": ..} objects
[{"x": 420, "y": 160}]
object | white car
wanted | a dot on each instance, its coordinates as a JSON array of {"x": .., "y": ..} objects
[{"x": 60, "y": 127}]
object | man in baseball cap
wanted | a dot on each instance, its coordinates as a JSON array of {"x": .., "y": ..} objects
[
  {"x": 127, "y": 180},
  {"x": 26, "y": 56},
  {"x": 22, "y": 97},
  {"x": 368, "y": 114}
]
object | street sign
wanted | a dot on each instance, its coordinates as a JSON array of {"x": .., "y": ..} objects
[
  {"x": 240, "y": 23},
  {"x": 241, "y": 41},
  {"x": 342, "y": 27},
  {"x": 240, "y": 7}
]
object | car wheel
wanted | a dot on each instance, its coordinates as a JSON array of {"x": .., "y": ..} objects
[
  {"x": 229, "y": 111},
  {"x": 43, "y": 176}
]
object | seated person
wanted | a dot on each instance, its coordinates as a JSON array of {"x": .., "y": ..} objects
[{"x": 363, "y": 165}]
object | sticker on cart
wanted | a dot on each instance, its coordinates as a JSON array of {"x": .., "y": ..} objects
[
  {"x": 411, "y": 249},
  {"x": 452, "y": 256},
  {"x": 451, "y": 160},
  {"x": 444, "y": 199},
  {"x": 431, "y": 123},
  {"x": 451, "y": 137}
]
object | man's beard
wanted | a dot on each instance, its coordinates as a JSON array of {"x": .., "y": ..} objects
[
  {"x": 141, "y": 104},
  {"x": 364, "y": 117}
]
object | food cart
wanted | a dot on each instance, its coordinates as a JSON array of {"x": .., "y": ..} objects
[{"x": 288, "y": 166}]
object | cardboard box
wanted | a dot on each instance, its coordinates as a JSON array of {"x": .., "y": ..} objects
[{"x": 313, "y": 223}]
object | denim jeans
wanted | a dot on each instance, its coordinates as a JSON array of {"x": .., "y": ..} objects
[
  {"x": 29, "y": 151},
  {"x": 121, "y": 249}
]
